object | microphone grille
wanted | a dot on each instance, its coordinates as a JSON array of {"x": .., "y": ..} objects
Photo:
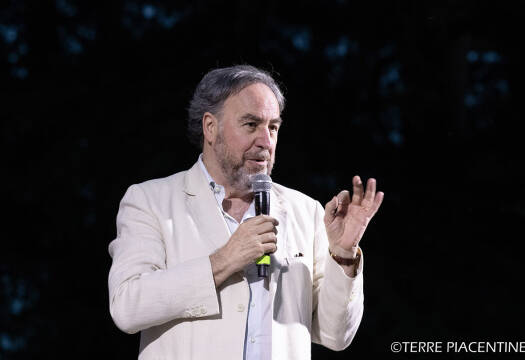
[{"x": 261, "y": 182}]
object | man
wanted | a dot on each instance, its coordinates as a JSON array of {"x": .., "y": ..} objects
[{"x": 183, "y": 268}]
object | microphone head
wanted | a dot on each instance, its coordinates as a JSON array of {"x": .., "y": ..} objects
[{"x": 261, "y": 182}]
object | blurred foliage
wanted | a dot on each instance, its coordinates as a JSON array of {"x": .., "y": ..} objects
[{"x": 420, "y": 95}]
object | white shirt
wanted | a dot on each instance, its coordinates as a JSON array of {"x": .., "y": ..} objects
[{"x": 258, "y": 337}]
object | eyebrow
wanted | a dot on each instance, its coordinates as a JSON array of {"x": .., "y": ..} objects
[{"x": 258, "y": 119}]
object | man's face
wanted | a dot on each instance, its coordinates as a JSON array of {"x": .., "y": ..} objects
[{"x": 247, "y": 137}]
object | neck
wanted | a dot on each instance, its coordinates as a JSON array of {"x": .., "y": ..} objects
[
  {"x": 236, "y": 207},
  {"x": 215, "y": 171}
]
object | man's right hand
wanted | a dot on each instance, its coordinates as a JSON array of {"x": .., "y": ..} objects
[{"x": 252, "y": 239}]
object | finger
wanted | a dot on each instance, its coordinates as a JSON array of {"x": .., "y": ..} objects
[
  {"x": 377, "y": 201},
  {"x": 358, "y": 190},
  {"x": 267, "y": 238},
  {"x": 343, "y": 199},
  {"x": 329, "y": 210},
  {"x": 370, "y": 193},
  {"x": 259, "y": 219},
  {"x": 265, "y": 228},
  {"x": 269, "y": 248}
]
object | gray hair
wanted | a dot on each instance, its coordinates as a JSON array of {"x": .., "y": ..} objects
[{"x": 219, "y": 84}]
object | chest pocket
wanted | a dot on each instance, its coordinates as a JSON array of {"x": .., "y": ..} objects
[{"x": 293, "y": 297}]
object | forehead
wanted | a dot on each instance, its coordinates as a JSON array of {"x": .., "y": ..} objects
[{"x": 257, "y": 99}]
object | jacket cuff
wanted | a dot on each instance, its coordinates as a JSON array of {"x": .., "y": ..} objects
[
  {"x": 202, "y": 285},
  {"x": 339, "y": 282}
]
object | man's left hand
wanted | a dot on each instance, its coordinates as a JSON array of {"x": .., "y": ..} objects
[{"x": 346, "y": 219}]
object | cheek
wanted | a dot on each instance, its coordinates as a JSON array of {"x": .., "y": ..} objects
[
  {"x": 242, "y": 148},
  {"x": 238, "y": 144}
]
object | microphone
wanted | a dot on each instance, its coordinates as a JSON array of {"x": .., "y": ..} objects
[{"x": 261, "y": 185}]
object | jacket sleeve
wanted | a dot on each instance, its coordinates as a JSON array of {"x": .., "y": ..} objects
[
  {"x": 143, "y": 292},
  {"x": 337, "y": 298}
]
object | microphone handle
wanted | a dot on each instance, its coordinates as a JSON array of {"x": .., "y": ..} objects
[
  {"x": 262, "y": 203},
  {"x": 262, "y": 207}
]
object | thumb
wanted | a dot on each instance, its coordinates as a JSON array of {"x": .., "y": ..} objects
[{"x": 330, "y": 210}]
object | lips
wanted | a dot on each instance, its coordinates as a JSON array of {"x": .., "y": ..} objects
[
  {"x": 261, "y": 158},
  {"x": 259, "y": 161}
]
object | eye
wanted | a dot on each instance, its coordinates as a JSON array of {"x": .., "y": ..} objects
[
  {"x": 252, "y": 125},
  {"x": 274, "y": 127}
]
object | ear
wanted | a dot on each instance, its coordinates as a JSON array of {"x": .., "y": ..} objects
[{"x": 210, "y": 127}]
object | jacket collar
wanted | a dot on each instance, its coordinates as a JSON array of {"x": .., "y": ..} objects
[{"x": 195, "y": 182}]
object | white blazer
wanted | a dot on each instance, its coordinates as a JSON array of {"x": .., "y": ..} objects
[{"x": 161, "y": 282}]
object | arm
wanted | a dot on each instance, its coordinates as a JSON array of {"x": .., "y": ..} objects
[
  {"x": 142, "y": 291},
  {"x": 338, "y": 298}
]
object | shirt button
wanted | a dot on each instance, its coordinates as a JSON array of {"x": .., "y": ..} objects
[
  {"x": 240, "y": 308},
  {"x": 252, "y": 340},
  {"x": 252, "y": 304}
]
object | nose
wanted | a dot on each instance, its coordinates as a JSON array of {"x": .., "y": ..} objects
[{"x": 264, "y": 139}]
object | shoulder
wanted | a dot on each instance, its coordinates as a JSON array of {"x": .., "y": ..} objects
[
  {"x": 296, "y": 199},
  {"x": 167, "y": 183},
  {"x": 155, "y": 190}
]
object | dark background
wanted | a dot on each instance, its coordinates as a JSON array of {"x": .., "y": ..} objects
[{"x": 421, "y": 95}]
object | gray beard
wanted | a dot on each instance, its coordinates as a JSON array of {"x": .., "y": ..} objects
[{"x": 236, "y": 173}]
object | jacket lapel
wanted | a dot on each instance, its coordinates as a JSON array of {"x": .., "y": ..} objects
[
  {"x": 278, "y": 211},
  {"x": 203, "y": 208}
]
